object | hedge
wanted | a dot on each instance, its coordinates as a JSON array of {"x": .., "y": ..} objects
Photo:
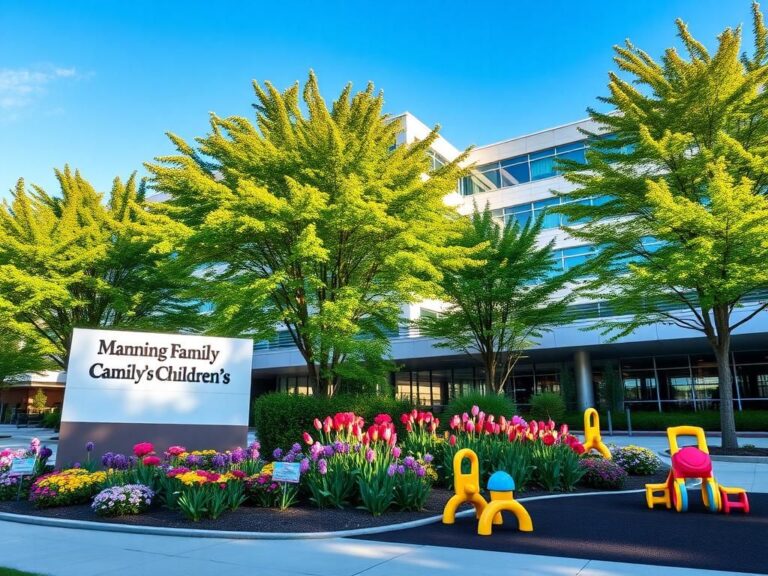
[
  {"x": 746, "y": 421},
  {"x": 280, "y": 418}
]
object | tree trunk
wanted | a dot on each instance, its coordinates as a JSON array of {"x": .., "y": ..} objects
[{"x": 722, "y": 354}]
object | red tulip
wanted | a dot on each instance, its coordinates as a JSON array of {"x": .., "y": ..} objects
[
  {"x": 452, "y": 440},
  {"x": 308, "y": 438},
  {"x": 548, "y": 439}
]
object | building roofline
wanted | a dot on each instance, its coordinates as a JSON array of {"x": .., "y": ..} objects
[{"x": 587, "y": 119}]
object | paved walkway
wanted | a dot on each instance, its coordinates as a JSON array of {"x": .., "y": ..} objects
[{"x": 64, "y": 552}]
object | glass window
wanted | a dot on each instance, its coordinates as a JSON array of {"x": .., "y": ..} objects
[
  {"x": 513, "y": 174},
  {"x": 520, "y": 214},
  {"x": 492, "y": 177},
  {"x": 575, "y": 155},
  {"x": 541, "y": 153},
  {"x": 551, "y": 220},
  {"x": 563, "y": 148},
  {"x": 544, "y": 168}
]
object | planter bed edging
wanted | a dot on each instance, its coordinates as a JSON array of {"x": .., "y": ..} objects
[{"x": 240, "y": 535}]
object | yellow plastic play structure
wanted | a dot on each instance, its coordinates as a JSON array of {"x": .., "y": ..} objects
[
  {"x": 693, "y": 462},
  {"x": 467, "y": 490},
  {"x": 592, "y": 438}
]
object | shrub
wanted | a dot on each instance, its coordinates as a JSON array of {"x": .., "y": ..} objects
[
  {"x": 123, "y": 500},
  {"x": 280, "y": 418},
  {"x": 495, "y": 404},
  {"x": 636, "y": 460},
  {"x": 547, "y": 406},
  {"x": 52, "y": 420},
  {"x": 602, "y": 473}
]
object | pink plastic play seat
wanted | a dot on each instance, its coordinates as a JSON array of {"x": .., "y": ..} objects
[{"x": 690, "y": 462}]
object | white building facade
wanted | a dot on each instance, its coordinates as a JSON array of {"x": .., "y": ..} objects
[{"x": 658, "y": 367}]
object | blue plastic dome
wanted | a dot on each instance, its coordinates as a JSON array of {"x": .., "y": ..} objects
[{"x": 501, "y": 482}]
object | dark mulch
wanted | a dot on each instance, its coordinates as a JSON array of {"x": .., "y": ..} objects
[
  {"x": 302, "y": 518},
  {"x": 618, "y": 528},
  {"x": 741, "y": 451}
]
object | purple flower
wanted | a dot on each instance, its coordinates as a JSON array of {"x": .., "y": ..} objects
[
  {"x": 108, "y": 460},
  {"x": 296, "y": 448},
  {"x": 338, "y": 446},
  {"x": 220, "y": 460},
  {"x": 356, "y": 448},
  {"x": 420, "y": 471},
  {"x": 290, "y": 457},
  {"x": 370, "y": 455},
  {"x": 401, "y": 469},
  {"x": 328, "y": 451},
  {"x": 237, "y": 456},
  {"x": 304, "y": 465},
  {"x": 253, "y": 450},
  {"x": 409, "y": 461},
  {"x": 396, "y": 451},
  {"x": 428, "y": 458},
  {"x": 89, "y": 447},
  {"x": 194, "y": 460},
  {"x": 322, "y": 466},
  {"x": 45, "y": 453},
  {"x": 392, "y": 470},
  {"x": 277, "y": 454}
]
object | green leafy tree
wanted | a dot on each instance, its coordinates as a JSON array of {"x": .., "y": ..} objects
[
  {"x": 501, "y": 300},
  {"x": 39, "y": 400},
  {"x": 71, "y": 261},
  {"x": 312, "y": 221},
  {"x": 21, "y": 349},
  {"x": 683, "y": 224}
]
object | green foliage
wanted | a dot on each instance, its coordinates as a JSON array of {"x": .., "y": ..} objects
[
  {"x": 683, "y": 215},
  {"x": 752, "y": 420},
  {"x": 281, "y": 418},
  {"x": 547, "y": 406},
  {"x": 73, "y": 261},
  {"x": 39, "y": 400},
  {"x": 22, "y": 348},
  {"x": 52, "y": 420},
  {"x": 309, "y": 220},
  {"x": 556, "y": 467},
  {"x": 495, "y": 404},
  {"x": 502, "y": 299}
]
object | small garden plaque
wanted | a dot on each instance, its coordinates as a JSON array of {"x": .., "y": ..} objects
[
  {"x": 22, "y": 466},
  {"x": 286, "y": 472}
]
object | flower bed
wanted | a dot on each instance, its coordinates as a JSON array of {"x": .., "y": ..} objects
[{"x": 343, "y": 463}]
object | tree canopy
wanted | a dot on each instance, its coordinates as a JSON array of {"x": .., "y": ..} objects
[
  {"x": 503, "y": 299},
  {"x": 680, "y": 170},
  {"x": 313, "y": 220},
  {"x": 72, "y": 261}
]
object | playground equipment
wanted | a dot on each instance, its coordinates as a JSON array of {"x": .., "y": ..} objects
[
  {"x": 693, "y": 462},
  {"x": 467, "y": 490},
  {"x": 592, "y": 438}
]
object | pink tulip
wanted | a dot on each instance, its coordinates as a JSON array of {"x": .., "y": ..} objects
[
  {"x": 452, "y": 440},
  {"x": 475, "y": 410},
  {"x": 317, "y": 424},
  {"x": 308, "y": 438}
]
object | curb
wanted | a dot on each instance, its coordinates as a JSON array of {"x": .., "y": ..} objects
[{"x": 237, "y": 535}]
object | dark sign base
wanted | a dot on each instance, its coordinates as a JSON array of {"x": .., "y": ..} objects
[{"x": 120, "y": 438}]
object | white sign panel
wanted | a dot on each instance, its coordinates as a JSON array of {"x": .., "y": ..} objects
[
  {"x": 286, "y": 472},
  {"x": 148, "y": 378}
]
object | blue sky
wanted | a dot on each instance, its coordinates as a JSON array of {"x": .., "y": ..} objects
[{"x": 96, "y": 84}]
